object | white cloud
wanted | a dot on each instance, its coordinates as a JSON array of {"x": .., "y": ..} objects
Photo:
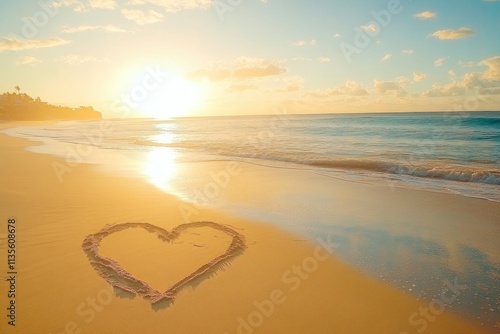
[
  {"x": 303, "y": 42},
  {"x": 440, "y": 61},
  {"x": 466, "y": 64},
  {"x": 337, "y": 36},
  {"x": 438, "y": 90},
  {"x": 351, "y": 88},
  {"x": 493, "y": 71},
  {"x": 426, "y": 15},
  {"x": 391, "y": 87},
  {"x": 142, "y": 17},
  {"x": 402, "y": 81},
  {"x": 386, "y": 57},
  {"x": 14, "y": 44},
  {"x": 175, "y": 5},
  {"x": 450, "y": 34},
  {"x": 243, "y": 68},
  {"x": 292, "y": 84},
  {"x": 75, "y": 4},
  {"x": 407, "y": 52},
  {"x": 418, "y": 76},
  {"x": 300, "y": 58},
  {"x": 324, "y": 59},
  {"x": 28, "y": 60},
  {"x": 369, "y": 27},
  {"x": 73, "y": 59},
  {"x": 472, "y": 82},
  {"x": 104, "y": 4},
  {"x": 299, "y": 43},
  {"x": 106, "y": 28}
]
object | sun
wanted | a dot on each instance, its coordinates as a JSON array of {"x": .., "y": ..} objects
[{"x": 174, "y": 97}]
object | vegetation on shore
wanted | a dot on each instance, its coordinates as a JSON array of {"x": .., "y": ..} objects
[{"x": 22, "y": 107}]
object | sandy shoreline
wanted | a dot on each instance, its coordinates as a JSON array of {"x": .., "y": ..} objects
[{"x": 280, "y": 284}]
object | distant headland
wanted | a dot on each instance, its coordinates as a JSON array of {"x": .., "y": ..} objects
[{"x": 22, "y": 107}]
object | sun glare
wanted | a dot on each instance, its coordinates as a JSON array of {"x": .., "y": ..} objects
[
  {"x": 160, "y": 167},
  {"x": 176, "y": 97}
]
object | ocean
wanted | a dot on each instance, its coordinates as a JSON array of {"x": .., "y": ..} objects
[{"x": 446, "y": 152}]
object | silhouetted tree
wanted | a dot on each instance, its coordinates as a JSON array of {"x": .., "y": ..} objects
[{"x": 21, "y": 106}]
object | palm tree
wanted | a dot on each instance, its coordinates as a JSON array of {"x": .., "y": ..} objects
[{"x": 18, "y": 89}]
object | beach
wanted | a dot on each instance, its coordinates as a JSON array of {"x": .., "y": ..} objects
[
  {"x": 249, "y": 167},
  {"x": 282, "y": 281}
]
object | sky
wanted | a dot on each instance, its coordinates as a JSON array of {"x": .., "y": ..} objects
[{"x": 168, "y": 58}]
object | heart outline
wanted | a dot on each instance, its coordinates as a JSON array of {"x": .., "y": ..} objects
[{"x": 118, "y": 277}]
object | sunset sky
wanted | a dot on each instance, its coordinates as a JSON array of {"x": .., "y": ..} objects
[{"x": 162, "y": 58}]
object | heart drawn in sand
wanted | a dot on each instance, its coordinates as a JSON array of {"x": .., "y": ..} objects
[{"x": 118, "y": 277}]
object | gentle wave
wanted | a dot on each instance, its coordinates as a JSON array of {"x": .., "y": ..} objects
[
  {"x": 450, "y": 173},
  {"x": 445, "y": 150},
  {"x": 437, "y": 170}
]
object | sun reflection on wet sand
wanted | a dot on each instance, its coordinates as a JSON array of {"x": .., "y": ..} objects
[
  {"x": 160, "y": 167},
  {"x": 160, "y": 162}
]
